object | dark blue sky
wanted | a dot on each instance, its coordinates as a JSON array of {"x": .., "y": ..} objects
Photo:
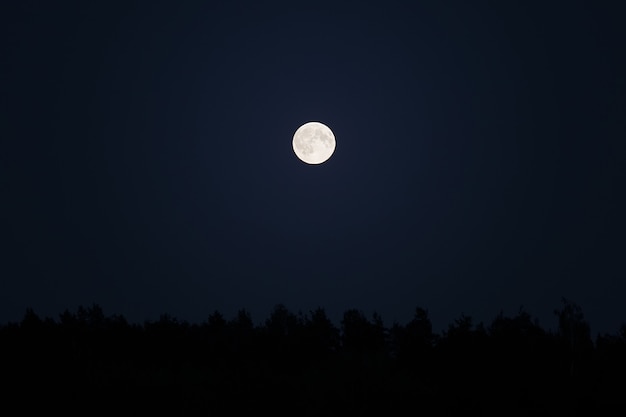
[{"x": 147, "y": 164}]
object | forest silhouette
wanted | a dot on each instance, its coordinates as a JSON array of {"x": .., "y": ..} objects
[{"x": 305, "y": 365}]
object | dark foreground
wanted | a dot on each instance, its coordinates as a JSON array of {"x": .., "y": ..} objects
[{"x": 303, "y": 365}]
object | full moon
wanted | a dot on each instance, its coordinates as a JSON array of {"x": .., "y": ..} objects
[{"x": 313, "y": 142}]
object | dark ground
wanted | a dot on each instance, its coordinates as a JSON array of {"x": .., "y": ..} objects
[{"x": 303, "y": 364}]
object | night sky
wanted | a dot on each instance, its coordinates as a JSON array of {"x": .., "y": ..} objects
[{"x": 147, "y": 165}]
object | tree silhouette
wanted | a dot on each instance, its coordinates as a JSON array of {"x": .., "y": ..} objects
[
  {"x": 415, "y": 339},
  {"x": 359, "y": 335},
  {"x": 574, "y": 331},
  {"x": 321, "y": 337},
  {"x": 305, "y": 364}
]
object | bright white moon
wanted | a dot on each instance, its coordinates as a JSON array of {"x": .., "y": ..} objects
[{"x": 313, "y": 142}]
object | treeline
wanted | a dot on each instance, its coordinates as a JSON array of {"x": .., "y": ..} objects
[{"x": 303, "y": 364}]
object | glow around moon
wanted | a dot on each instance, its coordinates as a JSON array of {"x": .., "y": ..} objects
[{"x": 314, "y": 142}]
